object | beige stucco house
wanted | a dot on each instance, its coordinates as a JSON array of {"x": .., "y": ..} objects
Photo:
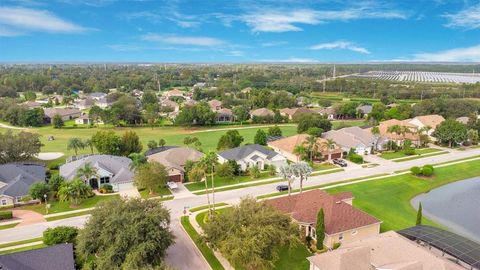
[
  {"x": 286, "y": 147},
  {"x": 174, "y": 160}
]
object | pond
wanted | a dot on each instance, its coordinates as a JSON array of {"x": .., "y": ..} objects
[{"x": 455, "y": 206}]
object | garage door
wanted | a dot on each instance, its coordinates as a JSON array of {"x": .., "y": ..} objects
[
  {"x": 337, "y": 155},
  {"x": 125, "y": 186},
  {"x": 176, "y": 178}
]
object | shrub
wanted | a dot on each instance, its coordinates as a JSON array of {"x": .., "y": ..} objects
[
  {"x": 427, "y": 171},
  {"x": 416, "y": 170},
  {"x": 225, "y": 170},
  {"x": 254, "y": 172},
  {"x": 272, "y": 170},
  {"x": 6, "y": 215},
  {"x": 60, "y": 235},
  {"x": 409, "y": 151},
  {"x": 355, "y": 158},
  {"x": 336, "y": 245},
  {"x": 105, "y": 188}
]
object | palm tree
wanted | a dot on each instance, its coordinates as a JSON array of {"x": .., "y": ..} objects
[
  {"x": 286, "y": 173},
  {"x": 87, "y": 172},
  {"x": 301, "y": 170},
  {"x": 208, "y": 162},
  {"x": 137, "y": 160},
  {"x": 394, "y": 129},
  {"x": 89, "y": 143},
  {"x": 75, "y": 144},
  {"x": 300, "y": 151},
  {"x": 311, "y": 145},
  {"x": 74, "y": 191},
  {"x": 376, "y": 134},
  {"x": 422, "y": 134}
]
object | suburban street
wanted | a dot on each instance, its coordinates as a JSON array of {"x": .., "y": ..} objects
[{"x": 184, "y": 255}]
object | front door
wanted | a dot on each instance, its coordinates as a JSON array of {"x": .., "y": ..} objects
[{"x": 94, "y": 183}]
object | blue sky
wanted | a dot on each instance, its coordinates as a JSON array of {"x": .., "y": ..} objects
[{"x": 239, "y": 31}]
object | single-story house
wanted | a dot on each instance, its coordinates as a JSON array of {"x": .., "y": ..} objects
[
  {"x": 174, "y": 93},
  {"x": 103, "y": 103},
  {"x": 65, "y": 113},
  {"x": 430, "y": 121},
  {"x": 83, "y": 120},
  {"x": 225, "y": 115},
  {"x": 97, "y": 95},
  {"x": 215, "y": 105},
  {"x": 16, "y": 179},
  {"x": 85, "y": 103},
  {"x": 56, "y": 257},
  {"x": 113, "y": 170},
  {"x": 174, "y": 159},
  {"x": 286, "y": 147},
  {"x": 361, "y": 140},
  {"x": 387, "y": 250},
  {"x": 251, "y": 155},
  {"x": 292, "y": 113},
  {"x": 327, "y": 112},
  {"x": 343, "y": 222},
  {"x": 170, "y": 104},
  {"x": 262, "y": 112},
  {"x": 364, "y": 110}
]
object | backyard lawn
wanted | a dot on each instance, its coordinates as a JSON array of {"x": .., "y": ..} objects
[
  {"x": 388, "y": 199},
  {"x": 400, "y": 154},
  {"x": 58, "y": 207},
  {"x": 160, "y": 191}
]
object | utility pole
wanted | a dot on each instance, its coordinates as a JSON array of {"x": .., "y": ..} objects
[
  {"x": 324, "y": 82},
  {"x": 334, "y": 71}
]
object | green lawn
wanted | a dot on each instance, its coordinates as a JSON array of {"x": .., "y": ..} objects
[
  {"x": 21, "y": 242},
  {"x": 204, "y": 207},
  {"x": 58, "y": 207},
  {"x": 204, "y": 249},
  {"x": 388, "y": 199},
  {"x": 8, "y": 226},
  {"x": 23, "y": 249},
  {"x": 225, "y": 181},
  {"x": 160, "y": 191},
  {"x": 323, "y": 166},
  {"x": 400, "y": 154},
  {"x": 83, "y": 213}
]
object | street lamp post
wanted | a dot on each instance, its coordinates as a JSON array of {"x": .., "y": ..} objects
[{"x": 46, "y": 203}]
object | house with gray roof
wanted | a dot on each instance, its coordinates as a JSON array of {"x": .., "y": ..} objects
[
  {"x": 364, "y": 110},
  {"x": 113, "y": 170},
  {"x": 251, "y": 155},
  {"x": 57, "y": 257},
  {"x": 16, "y": 179},
  {"x": 361, "y": 140},
  {"x": 65, "y": 113}
]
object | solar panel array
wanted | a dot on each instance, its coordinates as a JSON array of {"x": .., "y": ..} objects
[
  {"x": 455, "y": 245},
  {"x": 422, "y": 76}
]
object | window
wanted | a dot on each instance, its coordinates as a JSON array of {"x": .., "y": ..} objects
[
  {"x": 4, "y": 202},
  {"x": 104, "y": 180},
  {"x": 340, "y": 237},
  {"x": 18, "y": 199}
]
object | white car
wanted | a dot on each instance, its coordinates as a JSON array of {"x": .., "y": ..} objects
[{"x": 172, "y": 185}]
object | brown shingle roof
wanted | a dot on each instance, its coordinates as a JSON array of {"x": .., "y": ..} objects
[
  {"x": 288, "y": 144},
  {"x": 262, "y": 112},
  {"x": 339, "y": 215}
]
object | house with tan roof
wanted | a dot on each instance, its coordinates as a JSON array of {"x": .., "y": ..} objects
[
  {"x": 174, "y": 160},
  {"x": 167, "y": 103},
  {"x": 262, "y": 112},
  {"x": 427, "y": 121},
  {"x": 286, "y": 147},
  {"x": 361, "y": 140},
  {"x": 388, "y": 250},
  {"x": 174, "y": 93},
  {"x": 224, "y": 115},
  {"x": 65, "y": 113},
  {"x": 293, "y": 113},
  {"x": 327, "y": 112},
  {"x": 215, "y": 105},
  {"x": 343, "y": 222}
]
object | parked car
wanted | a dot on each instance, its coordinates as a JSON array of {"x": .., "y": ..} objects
[
  {"x": 172, "y": 185},
  {"x": 282, "y": 188},
  {"x": 340, "y": 162}
]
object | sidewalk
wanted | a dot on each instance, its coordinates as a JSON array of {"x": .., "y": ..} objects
[{"x": 21, "y": 246}]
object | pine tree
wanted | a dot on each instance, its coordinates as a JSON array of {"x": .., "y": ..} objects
[{"x": 419, "y": 214}]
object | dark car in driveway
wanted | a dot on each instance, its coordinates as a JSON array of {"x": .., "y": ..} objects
[
  {"x": 340, "y": 162},
  {"x": 282, "y": 188}
]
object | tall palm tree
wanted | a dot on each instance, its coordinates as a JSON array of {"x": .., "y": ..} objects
[
  {"x": 376, "y": 134},
  {"x": 89, "y": 143},
  {"x": 208, "y": 162},
  {"x": 422, "y": 134},
  {"x": 311, "y": 146},
  {"x": 301, "y": 170},
  {"x": 75, "y": 144},
  {"x": 394, "y": 129},
  {"x": 300, "y": 150},
  {"x": 87, "y": 172},
  {"x": 286, "y": 173},
  {"x": 137, "y": 160}
]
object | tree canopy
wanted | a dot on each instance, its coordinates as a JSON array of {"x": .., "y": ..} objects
[{"x": 18, "y": 147}]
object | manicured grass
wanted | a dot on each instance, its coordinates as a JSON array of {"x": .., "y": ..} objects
[
  {"x": 23, "y": 249},
  {"x": 327, "y": 172},
  {"x": 225, "y": 181},
  {"x": 160, "y": 191},
  {"x": 322, "y": 166},
  {"x": 8, "y": 226},
  {"x": 388, "y": 199},
  {"x": 401, "y": 154},
  {"x": 58, "y": 207},
  {"x": 204, "y": 207},
  {"x": 171, "y": 134},
  {"x": 77, "y": 214},
  {"x": 420, "y": 156},
  {"x": 204, "y": 249},
  {"x": 21, "y": 242},
  {"x": 237, "y": 187}
]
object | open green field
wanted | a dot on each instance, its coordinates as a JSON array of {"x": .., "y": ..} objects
[
  {"x": 400, "y": 154},
  {"x": 173, "y": 135},
  {"x": 388, "y": 199}
]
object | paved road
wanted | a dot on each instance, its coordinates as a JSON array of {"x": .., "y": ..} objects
[{"x": 183, "y": 254}]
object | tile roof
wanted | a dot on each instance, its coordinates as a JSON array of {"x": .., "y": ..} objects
[
  {"x": 57, "y": 257},
  {"x": 432, "y": 120},
  {"x": 351, "y": 137},
  {"x": 262, "y": 112},
  {"x": 288, "y": 144},
  {"x": 18, "y": 177},
  {"x": 339, "y": 215},
  {"x": 293, "y": 111},
  {"x": 244, "y": 151},
  {"x": 383, "y": 127}
]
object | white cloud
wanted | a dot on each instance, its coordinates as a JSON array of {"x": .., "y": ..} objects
[
  {"x": 184, "y": 40},
  {"x": 290, "y": 60},
  {"x": 469, "y": 54},
  {"x": 18, "y": 21},
  {"x": 273, "y": 43},
  {"x": 235, "y": 53},
  {"x": 272, "y": 20},
  {"x": 341, "y": 45},
  {"x": 468, "y": 18}
]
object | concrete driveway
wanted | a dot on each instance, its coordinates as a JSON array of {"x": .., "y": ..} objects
[
  {"x": 129, "y": 191},
  {"x": 28, "y": 217}
]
